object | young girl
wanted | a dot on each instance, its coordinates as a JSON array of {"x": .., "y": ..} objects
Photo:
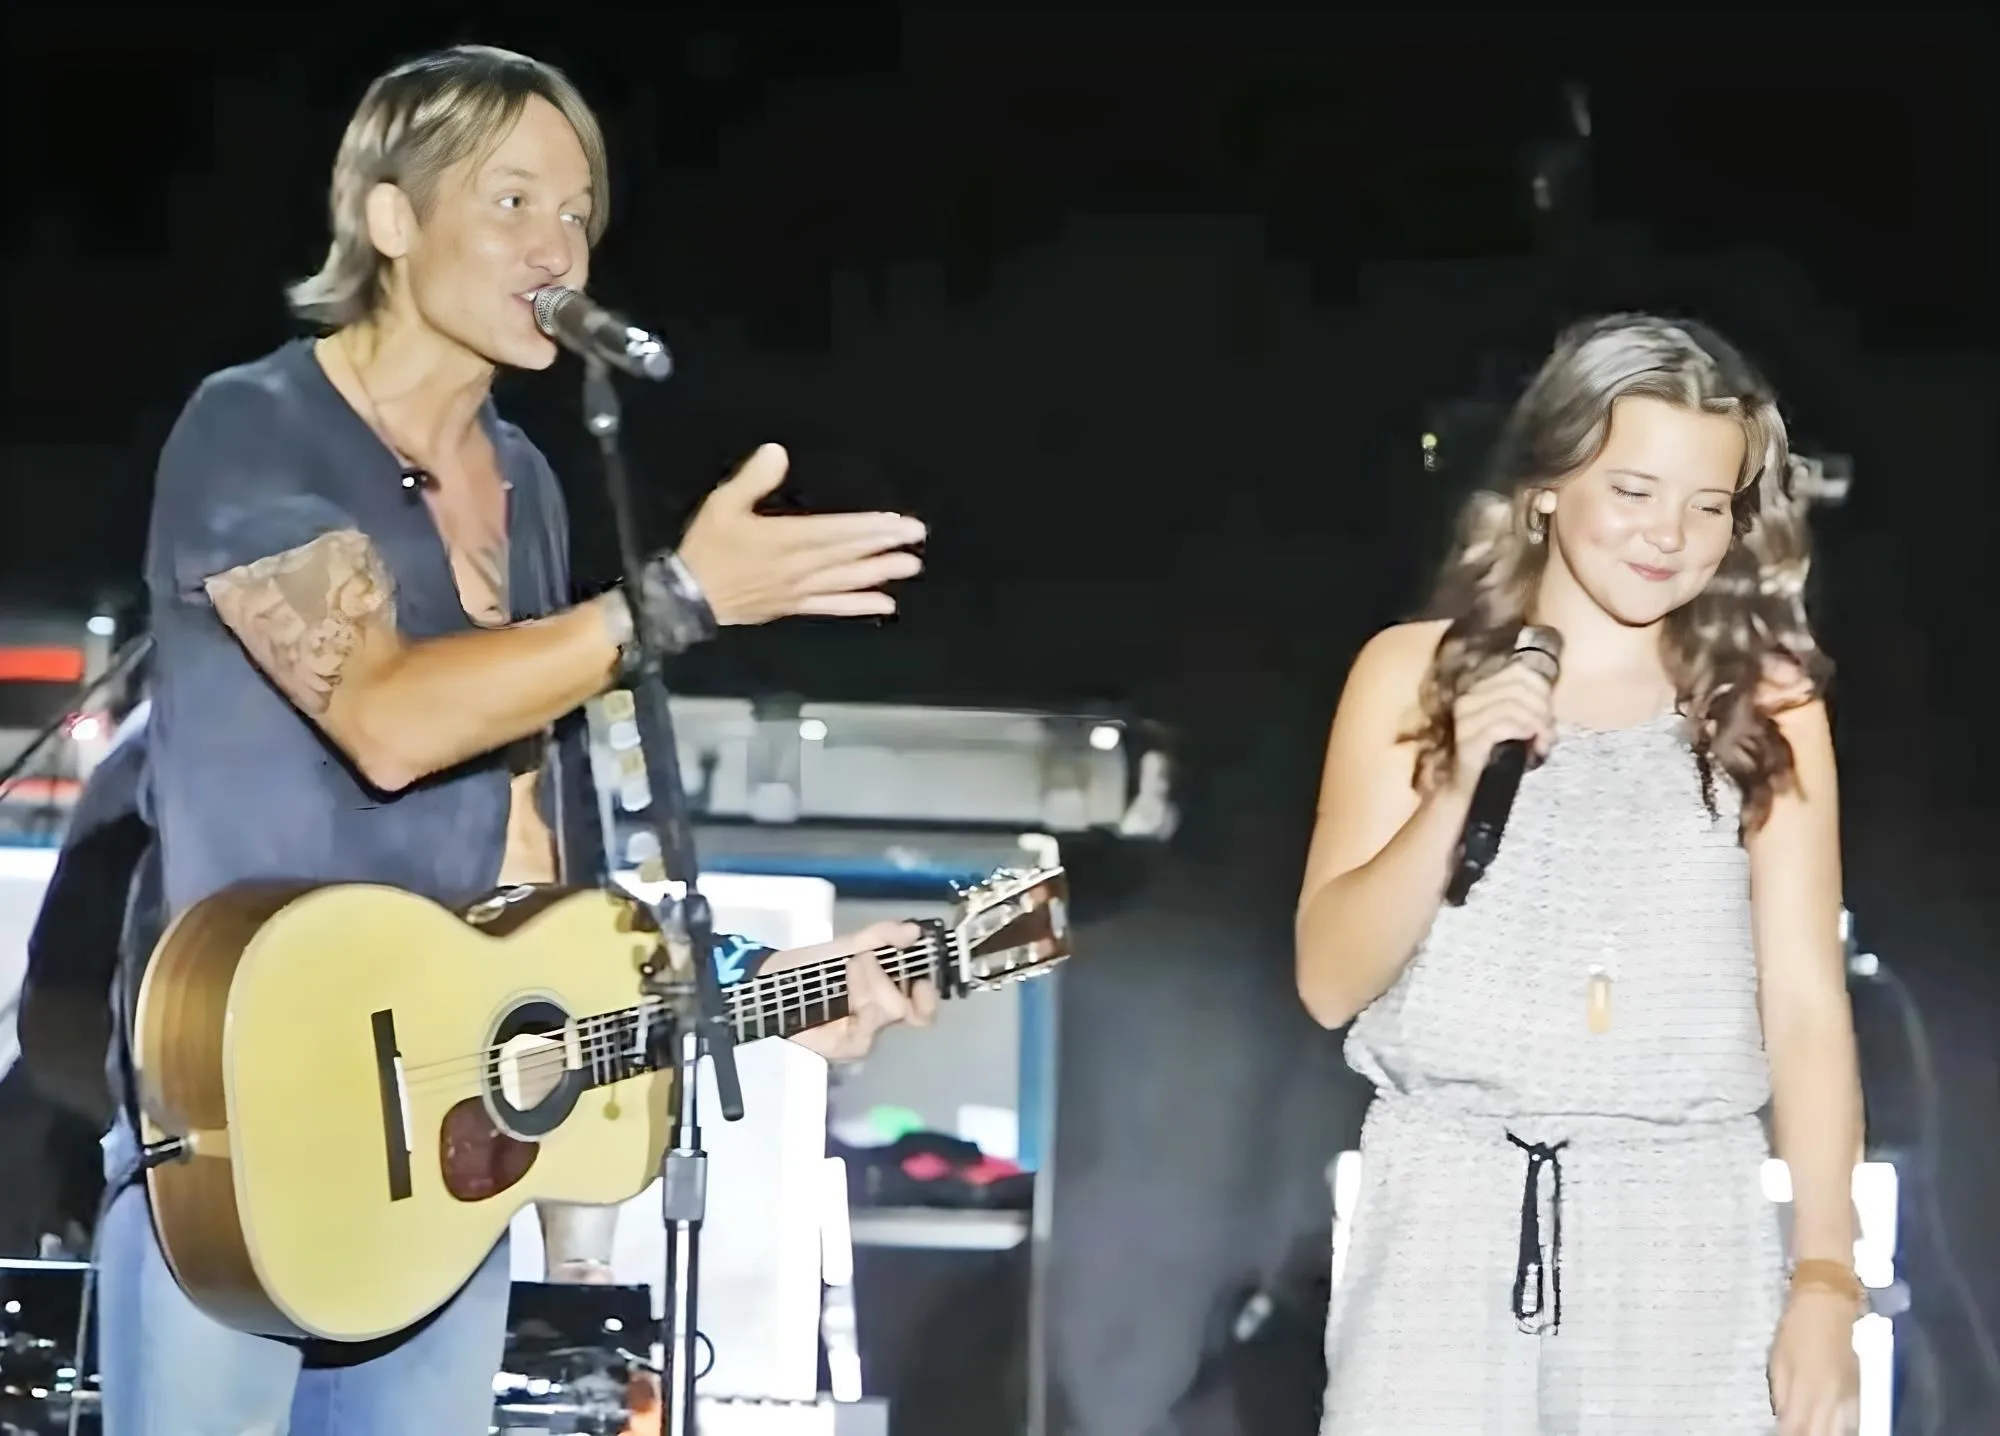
[{"x": 1561, "y": 1227}]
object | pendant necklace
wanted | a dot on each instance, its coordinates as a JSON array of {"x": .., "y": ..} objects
[
  {"x": 1597, "y": 1006},
  {"x": 415, "y": 479},
  {"x": 1597, "y": 989}
]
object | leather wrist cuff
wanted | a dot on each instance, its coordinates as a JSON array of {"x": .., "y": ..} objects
[{"x": 671, "y": 608}]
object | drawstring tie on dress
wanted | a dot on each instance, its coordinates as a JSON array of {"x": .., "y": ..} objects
[{"x": 1538, "y": 1272}]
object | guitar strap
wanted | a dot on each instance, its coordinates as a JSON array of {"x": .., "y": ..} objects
[{"x": 145, "y": 924}]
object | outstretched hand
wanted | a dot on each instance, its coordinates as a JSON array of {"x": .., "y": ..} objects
[{"x": 755, "y": 567}]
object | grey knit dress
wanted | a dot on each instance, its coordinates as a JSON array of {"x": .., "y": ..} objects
[{"x": 1561, "y": 1231}]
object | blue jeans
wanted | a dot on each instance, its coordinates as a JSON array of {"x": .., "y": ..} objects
[{"x": 169, "y": 1369}]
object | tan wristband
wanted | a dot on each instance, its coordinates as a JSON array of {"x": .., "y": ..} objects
[{"x": 1837, "y": 1278}]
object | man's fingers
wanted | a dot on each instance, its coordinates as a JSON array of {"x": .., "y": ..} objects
[
  {"x": 865, "y": 971},
  {"x": 880, "y": 935},
  {"x": 846, "y": 605},
  {"x": 875, "y": 1001},
  {"x": 923, "y": 1004},
  {"x": 758, "y": 477},
  {"x": 863, "y": 574},
  {"x": 845, "y": 535},
  {"x": 853, "y": 590},
  {"x": 876, "y": 540},
  {"x": 835, "y": 1039}
]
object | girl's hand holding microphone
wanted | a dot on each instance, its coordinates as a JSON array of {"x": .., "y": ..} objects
[{"x": 1516, "y": 702}]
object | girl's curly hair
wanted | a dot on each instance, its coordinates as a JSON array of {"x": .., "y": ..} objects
[{"x": 1722, "y": 648}]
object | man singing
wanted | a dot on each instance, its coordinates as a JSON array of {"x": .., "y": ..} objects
[{"x": 365, "y": 669}]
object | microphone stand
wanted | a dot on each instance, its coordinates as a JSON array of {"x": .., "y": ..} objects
[{"x": 682, "y": 973}]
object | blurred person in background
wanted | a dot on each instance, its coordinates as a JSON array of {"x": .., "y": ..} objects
[
  {"x": 58, "y": 1093},
  {"x": 1561, "y": 1226}
]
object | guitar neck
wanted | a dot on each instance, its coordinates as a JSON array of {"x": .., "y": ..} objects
[
  {"x": 798, "y": 999},
  {"x": 1016, "y": 933},
  {"x": 617, "y": 1046}
]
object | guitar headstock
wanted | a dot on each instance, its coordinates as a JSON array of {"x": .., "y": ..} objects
[{"x": 1012, "y": 926}]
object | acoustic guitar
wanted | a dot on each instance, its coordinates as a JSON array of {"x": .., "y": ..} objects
[{"x": 365, "y": 1086}]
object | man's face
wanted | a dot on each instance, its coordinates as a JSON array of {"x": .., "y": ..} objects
[{"x": 500, "y": 226}]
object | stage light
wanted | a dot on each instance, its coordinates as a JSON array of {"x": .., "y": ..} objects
[
  {"x": 838, "y": 1328},
  {"x": 1343, "y": 1175},
  {"x": 1105, "y": 736},
  {"x": 31, "y": 865},
  {"x": 812, "y": 730}
]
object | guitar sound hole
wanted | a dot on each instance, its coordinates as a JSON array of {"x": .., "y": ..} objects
[
  {"x": 479, "y": 1160},
  {"x": 536, "y": 1075}
]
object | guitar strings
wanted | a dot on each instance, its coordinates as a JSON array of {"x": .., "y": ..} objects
[
  {"x": 613, "y": 1039},
  {"x": 774, "y": 994},
  {"x": 610, "y": 1034},
  {"x": 818, "y": 976}
]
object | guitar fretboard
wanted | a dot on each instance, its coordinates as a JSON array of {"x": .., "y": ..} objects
[
  {"x": 784, "y": 1004},
  {"x": 627, "y": 1043}
]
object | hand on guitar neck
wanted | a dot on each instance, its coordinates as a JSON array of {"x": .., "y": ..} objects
[
  {"x": 578, "y": 1242},
  {"x": 874, "y": 999}
]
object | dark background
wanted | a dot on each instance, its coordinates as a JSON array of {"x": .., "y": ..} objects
[{"x": 1145, "y": 315}]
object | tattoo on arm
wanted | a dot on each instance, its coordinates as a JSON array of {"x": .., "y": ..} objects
[{"x": 301, "y": 614}]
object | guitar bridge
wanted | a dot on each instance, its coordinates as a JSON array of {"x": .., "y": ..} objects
[{"x": 395, "y": 1104}]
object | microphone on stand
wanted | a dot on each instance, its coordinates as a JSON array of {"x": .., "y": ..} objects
[
  {"x": 1493, "y": 799},
  {"x": 589, "y": 330}
]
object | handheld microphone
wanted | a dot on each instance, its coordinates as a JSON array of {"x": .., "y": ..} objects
[
  {"x": 586, "y": 328},
  {"x": 1493, "y": 799}
]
